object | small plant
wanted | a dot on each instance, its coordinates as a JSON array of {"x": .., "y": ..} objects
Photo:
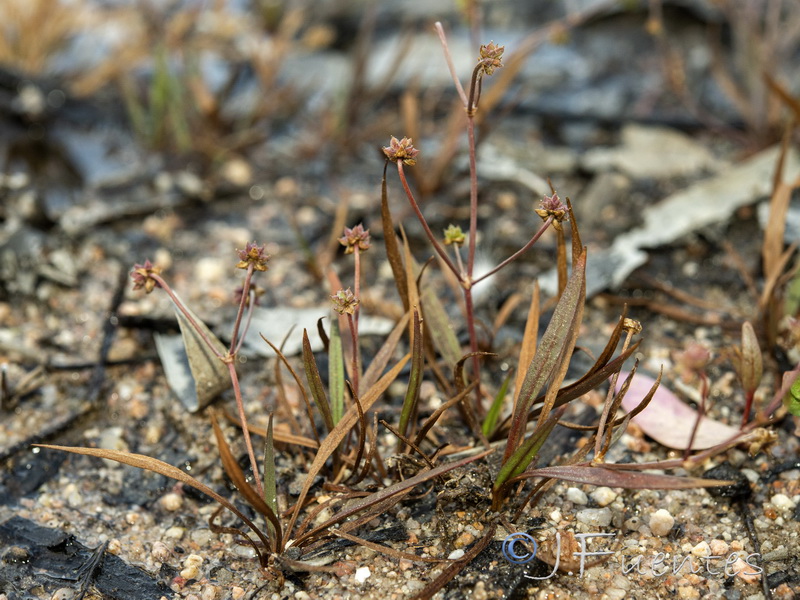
[
  {"x": 347, "y": 451},
  {"x": 275, "y": 536}
]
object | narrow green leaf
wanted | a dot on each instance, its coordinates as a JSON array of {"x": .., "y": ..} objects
[
  {"x": 414, "y": 379},
  {"x": 527, "y": 451},
  {"x": 315, "y": 382},
  {"x": 490, "y": 422},
  {"x": 553, "y": 351},
  {"x": 336, "y": 372},
  {"x": 792, "y": 399}
]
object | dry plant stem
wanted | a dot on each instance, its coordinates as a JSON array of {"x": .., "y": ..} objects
[
  {"x": 599, "y": 452},
  {"x": 354, "y": 337},
  {"x": 449, "y": 58},
  {"x": 701, "y": 411},
  {"x": 229, "y": 360}
]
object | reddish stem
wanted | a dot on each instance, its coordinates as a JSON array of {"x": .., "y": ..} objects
[
  {"x": 518, "y": 253},
  {"x": 437, "y": 246},
  {"x": 748, "y": 405},
  {"x": 163, "y": 285},
  {"x": 354, "y": 338}
]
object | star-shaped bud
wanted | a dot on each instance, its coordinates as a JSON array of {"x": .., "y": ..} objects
[
  {"x": 454, "y": 235},
  {"x": 551, "y": 206},
  {"x": 253, "y": 255},
  {"x": 491, "y": 57},
  {"x": 142, "y": 276},
  {"x": 357, "y": 237},
  {"x": 344, "y": 302},
  {"x": 401, "y": 150}
]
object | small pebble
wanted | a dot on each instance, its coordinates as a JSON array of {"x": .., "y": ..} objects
[
  {"x": 702, "y": 549},
  {"x": 175, "y": 532},
  {"x": 688, "y": 592},
  {"x": 782, "y": 502},
  {"x": 465, "y": 539},
  {"x": 114, "y": 546},
  {"x": 172, "y": 502},
  {"x": 595, "y": 517},
  {"x": 456, "y": 554},
  {"x": 577, "y": 496},
  {"x": 745, "y": 572},
  {"x": 479, "y": 591},
  {"x": 209, "y": 592},
  {"x": 603, "y": 496},
  {"x": 555, "y": 516},
  {"x": 362, "y": 574},
  {"x": 719, "y": 548},
  {"x": 237, "y": 593},
  {"x": 193, "y": 560},
  {"x": 160, "y": 552},
  {"x": 661, "y": 522}
]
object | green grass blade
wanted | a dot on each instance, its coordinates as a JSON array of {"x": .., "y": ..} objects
[
  {"x": 315, "y": 383},
  {"x": 490, "y": 422},
  {"x": 414, "y": 379},
  {"x": 523, "y": 455}
]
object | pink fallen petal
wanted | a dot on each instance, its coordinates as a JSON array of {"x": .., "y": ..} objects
[{"x": 669, "y": 420}]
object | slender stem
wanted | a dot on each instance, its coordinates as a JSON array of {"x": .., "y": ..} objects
[
  {"x": 457, "y": 252},
  {"x": 473, "y": 346},
  {"x": 437, "y": 246},
  {"x": 353, "y": 321},
  {"x": 242, "y": 304},
  {"x": 701, "y": 411},
  {"x": 354, "y": 337},
  {"x": 518, "y": 253},
  {"x": 450, "y": 65},
  {"x": 357, "y": 284},
  {"x": 473, "y": 196},
  {"x": 246, "y": 434},
  {"x": 248, "y": 319},
  {"x": 748, "y": 405},
  {"x": 163, "y": 284}
]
